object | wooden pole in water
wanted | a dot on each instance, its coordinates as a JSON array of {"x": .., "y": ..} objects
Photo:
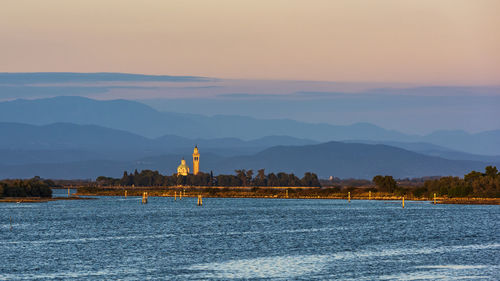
[
  {"x": 200, "y": 200},
  {"x": 369, "y": 195},
  {"x": 125, "y": 194},
  {"x": 175, "y": 195},
  {"x": 180, "y": 195},
  {"x": 434, "y": 198},
  {"x": 403, "y": 202},
  {"x": 68, "y": 192},
  {"x": 349, "y": 197},
  {"x": 287, "y": 193}
]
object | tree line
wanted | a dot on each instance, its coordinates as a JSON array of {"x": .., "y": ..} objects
[
  {"x": 240, "y": 178},
  {"x": 34, "y": 187},
  {"x": 475, "y": 184}
]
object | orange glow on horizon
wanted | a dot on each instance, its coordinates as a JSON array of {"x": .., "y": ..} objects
[{"x": 424, "y": 41}]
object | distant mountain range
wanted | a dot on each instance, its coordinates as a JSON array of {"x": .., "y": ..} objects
[
  {"x": 70, "y": 142},
  {"x": 351, "y": 160},
  {"x": 434, "y": 150},
  {"x": 141, "y": 119},
  {"x": 64, "y": 150},
  {"x": 344, "y": 160},
  {"x": 74, "y": 137}
]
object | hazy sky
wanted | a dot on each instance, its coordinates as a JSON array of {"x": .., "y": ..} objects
[{"x": 431, "y": 42}]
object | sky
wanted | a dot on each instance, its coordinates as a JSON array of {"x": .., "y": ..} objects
[{"x": 426, "y": 42}]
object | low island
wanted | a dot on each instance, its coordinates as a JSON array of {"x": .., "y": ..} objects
[{"x": 473, "y": 188}]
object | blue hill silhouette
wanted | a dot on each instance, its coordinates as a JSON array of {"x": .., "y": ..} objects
[
  {"x": 143, "y": 120},
  {"x": 65, "y": 150}
]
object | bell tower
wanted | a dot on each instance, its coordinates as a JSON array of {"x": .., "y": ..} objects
[{"x": 196, "y": 161}]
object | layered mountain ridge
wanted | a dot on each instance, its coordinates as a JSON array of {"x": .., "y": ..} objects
[{"x": 65, "y": 150}]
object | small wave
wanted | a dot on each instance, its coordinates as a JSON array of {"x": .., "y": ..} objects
[
  {"x": 452, "y": 266},
  {"x": 293, "y": 266},
  {"x": 99, "y": 274},
  {"x": 133, "y": 237},
  {"x": 264, "y": 267}
]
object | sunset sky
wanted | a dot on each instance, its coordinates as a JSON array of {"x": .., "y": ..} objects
[{"x": 427, "y": 42}]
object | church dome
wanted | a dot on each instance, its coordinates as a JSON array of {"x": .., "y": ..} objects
[{"x": 183, "y": 169}]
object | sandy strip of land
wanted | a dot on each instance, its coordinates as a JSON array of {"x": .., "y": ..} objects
[
  {"x": 39, "y": 199},
  {"x": 278, "y": 193}
]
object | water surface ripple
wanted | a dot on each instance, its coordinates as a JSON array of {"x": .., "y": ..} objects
[{"x": 248, "y": 239}]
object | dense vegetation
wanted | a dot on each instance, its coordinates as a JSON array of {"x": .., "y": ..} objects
[
  {"x": 34, "y": 187},
  {"x": 241, "y": 178},
  {"x": 474, "y": 184}
]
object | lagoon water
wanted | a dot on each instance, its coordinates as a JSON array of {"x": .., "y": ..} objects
[{"x": 248, "y": 239}]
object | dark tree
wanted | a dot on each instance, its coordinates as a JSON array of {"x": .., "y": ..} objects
[
  {"x": 385, "y": 184},
  {"x": 242, "y": 176},
  {"x": 310, "y": 179},
  {"x": 248, "y": 180},
  {"x": 491, "y": 171},
  {"x": 260, "y": 180},
  {"x": 272, "y": 180}
]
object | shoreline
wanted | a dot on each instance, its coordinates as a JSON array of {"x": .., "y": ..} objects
[
  {"x": 471, "y": 201},
  {"x": 454, "y": 201},
  {"x": 279, "y": 193},
  {"x": 40, "y": 199}
]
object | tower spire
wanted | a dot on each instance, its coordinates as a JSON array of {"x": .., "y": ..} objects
[{"x": 196, "y": 160}]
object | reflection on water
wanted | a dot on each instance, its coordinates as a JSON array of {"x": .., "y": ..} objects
[
  {"x": 117, "y": 238},
  {"x": 266, "y": 267}
]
